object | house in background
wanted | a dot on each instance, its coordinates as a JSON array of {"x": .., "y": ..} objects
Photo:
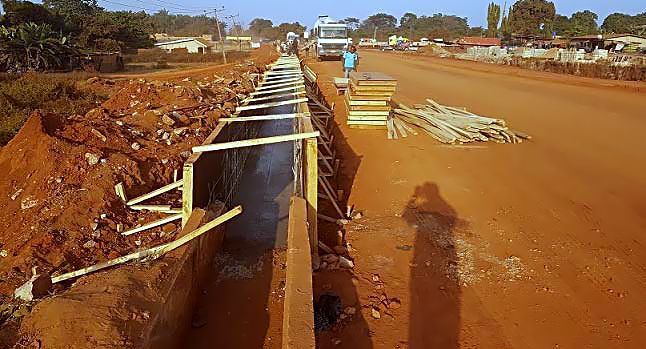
[
  {"x": 625, "y": 42},
  {"x": 192, "y": 45},
  {"x": 468, "y": 41}
]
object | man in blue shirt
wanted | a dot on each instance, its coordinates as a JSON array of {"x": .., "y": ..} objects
[{"x": 350, "y": 61}]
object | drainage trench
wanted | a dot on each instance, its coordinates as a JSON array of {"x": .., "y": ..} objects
[{"x": 241, "y": 304}]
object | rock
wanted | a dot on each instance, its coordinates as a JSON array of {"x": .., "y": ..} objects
[
  {"x": 184, "y": 119},
  {"x": 357, "y": 215},
  {"x": 180, "y": 131},
  {"x": 28, "y": 203},
  {"x": 343, "y": 316},
  {"x": 4, "y": 253},
  {"x": 89, "y": 244},
  {"x": 395, "y": 303},
  {"x": 336, "y": 341},
  {"x": 375, "y": 313},
  {"x": 135, "y": 146},
  {"x": 99, "y": 135},
  {"x": 376, "y": 278},
  {"x": 16, "y": 194},
  {"x": 168, "y": 120},
  {"x": 185, "y": 154},
  {"x": 38, "y": 286},
  {"x": 330, "y": 258},
  {"x": 165, "y": 136},
  {"x": 94, "y": 226},
  {"x": 92, "y": 159},
  {"x": 92, "y": 80},
  {"x": 350, "y": 310},
  {"x": 119, "y": 228},
  {"x": 229, "y": 106},
  {"x": 345, "y": 263},
  {"x": 169, "y": 228},
  {"x": 119, "y": 122},
  {"x": 96, "y": 234}
]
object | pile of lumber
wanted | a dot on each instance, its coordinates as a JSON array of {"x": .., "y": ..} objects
[
  {"x": 451, "y": 125},
  {"x": 368, "y": 98}
]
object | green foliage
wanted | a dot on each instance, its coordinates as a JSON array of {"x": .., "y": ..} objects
[
  {"x": 260, "y": 27},
  {"x": 562, "y": 25},
  {"x": 493, "y": 18},
  {"x": 384, "y": 23},
  {"x": 583, "y": 23},
  {"x": 33, "y": 47},
  {"x": 532, "y": 17},
  {"x": 19, "y": 96},
  {"x": 18, "y": 12},
  {"x": 353, "y": 23},
  {"x": 114, "y": 31},
  {"x": 407, "y": 20},
  {"x": 184, "y": 25},
  {"x": 620, "y": 23},
  {"x": 74, "y": 13}
]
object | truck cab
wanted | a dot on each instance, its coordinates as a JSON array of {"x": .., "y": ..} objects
[{"x": 331, "y": 38}]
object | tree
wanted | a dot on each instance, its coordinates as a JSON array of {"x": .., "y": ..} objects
[
  {"x": 583, "y": 23},
  {"x": 352, "y": 22},
  {"x": 114, "y": 31},
  {"x": 442, "y": 26},
  {"x": 259, "y": 26},
  {"x": 493, "y": 18},
  {"x": 30, "y": 46},
  {"x": 407, "y": 20},
  {"x": 477, "y": 32},
  {"x": 18, "y": 12},
  {"x": 505, "y": 24},
  {"x": 562, "y": 25},
  {"x": 623, "y": 23},
  {"x": 381, "y": 21},
  {"x": 284, "y": 28},
  {"x": 532, "y": 17},
  {"x": 407, "y": 24},
  {"x": 73, "y": 12}
]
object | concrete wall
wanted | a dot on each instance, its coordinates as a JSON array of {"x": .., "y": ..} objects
[
  {"x": 298, "y": 314},
  {"x": 192, "y": 46}
]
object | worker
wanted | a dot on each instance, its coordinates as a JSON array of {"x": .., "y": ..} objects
[
  {"x": 350, "y": 61},
  {"x": 294, "y": 47}
]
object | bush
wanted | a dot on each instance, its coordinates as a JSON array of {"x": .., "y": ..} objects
[{"x": 19, "y": 96}]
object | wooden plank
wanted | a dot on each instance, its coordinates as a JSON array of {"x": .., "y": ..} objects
[
  {"x": 151, "y": 207},
  {"x": 154, "y": 251},
  {"x": 263, "y": 88},
  {"x": 271, "y": 105},
  {"x": 254, "y": 142},
  {"x": 400, "y": 128},
  {"x": 353, "y": 113},
  {"x": 380, "y": 103},
  {"x": 157, "y": 192},
  {"x": 359, "y": 97},
  {"x": 369, "y": 108},
  {"x": 121, "y": 192},
  {"x": 153, "y": 224},
  {"x": 258, "y": 93},
  {"x": 256, "y": 99},
  {"x": 278, "y": 82},
  {"x": 367, "y": 122},
  {"x": 263, "y": 117},
  {"x": 311, "y": 188},
  {"x": 369, "y": 117},
  {"x": 334, "y": 203}
]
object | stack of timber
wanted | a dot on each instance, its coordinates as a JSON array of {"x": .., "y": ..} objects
[
  {"x": 368, "y": 98},
  {"x": 451, "y": 125}
]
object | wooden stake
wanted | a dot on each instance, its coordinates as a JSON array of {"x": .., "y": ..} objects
[
  {"x": 271, "y": 105},
  {"x": 330, "y": 194},
  {"x": 254, "y": 142},
  {"x": 151, "y": 207},
  {"x": 153, "y": 224},
  {"x": 264, "y": 117},
  {"x": 154, "y": 251},
  {"x": 156, "y": 192},
  {"x": 121, "y": 192}
]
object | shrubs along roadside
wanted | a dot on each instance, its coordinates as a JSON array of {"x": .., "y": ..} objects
[{"x": 19, "y": 96}]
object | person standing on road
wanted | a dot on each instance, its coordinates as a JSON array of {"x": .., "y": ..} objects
[{"x": 350, "y": 61}]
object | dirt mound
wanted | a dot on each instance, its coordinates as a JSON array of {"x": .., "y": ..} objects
[{"x": 60, "y": 211}]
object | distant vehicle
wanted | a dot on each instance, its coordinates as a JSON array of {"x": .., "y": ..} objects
[
  {"x": 291, "y": 36},
  {"x": 331, "y": 37}
]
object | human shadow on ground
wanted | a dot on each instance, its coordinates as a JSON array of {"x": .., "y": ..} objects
[{"x": 434, "y": 320}]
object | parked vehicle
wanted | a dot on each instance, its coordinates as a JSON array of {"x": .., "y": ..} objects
[{"x": 331, "y": 37}]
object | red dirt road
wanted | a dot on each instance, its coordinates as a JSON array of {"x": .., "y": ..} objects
[{"x": 537, "y": 245}]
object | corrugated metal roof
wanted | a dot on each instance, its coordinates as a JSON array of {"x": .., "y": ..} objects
[{"x": 477, "y": 41}]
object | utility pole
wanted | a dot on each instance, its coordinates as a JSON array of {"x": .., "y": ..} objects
[
  {"x": 238, "y": 29},
  {"x": 217, "y": 23},
  {"x": 374, "y": 36}
]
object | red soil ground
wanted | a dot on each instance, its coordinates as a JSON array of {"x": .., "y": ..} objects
[{"x": 537, "y": 245}]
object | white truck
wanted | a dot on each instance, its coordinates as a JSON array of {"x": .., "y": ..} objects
[{"x": 331, "y": 37}]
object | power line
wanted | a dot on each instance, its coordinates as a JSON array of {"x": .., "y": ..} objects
[{"x": 147, "y": 9}]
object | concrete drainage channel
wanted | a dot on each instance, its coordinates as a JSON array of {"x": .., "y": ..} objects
[{"x": 250, "y": 286}]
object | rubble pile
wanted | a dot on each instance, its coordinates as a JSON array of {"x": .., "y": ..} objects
[{"x": 60, "y": 211}]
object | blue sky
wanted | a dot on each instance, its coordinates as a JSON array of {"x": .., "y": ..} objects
[{"x": 305, "y": 12}]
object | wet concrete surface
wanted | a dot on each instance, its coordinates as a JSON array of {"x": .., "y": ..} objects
[{"x": 242, "y": 305}]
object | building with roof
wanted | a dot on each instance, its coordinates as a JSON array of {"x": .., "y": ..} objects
[
  {"x": 192, "y": 45},
  {"x": 469, "y": 41},
  {"x": 625, "y": 42}
]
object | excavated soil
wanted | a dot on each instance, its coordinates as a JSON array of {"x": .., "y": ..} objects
[{"x": 58, "y": 207}]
